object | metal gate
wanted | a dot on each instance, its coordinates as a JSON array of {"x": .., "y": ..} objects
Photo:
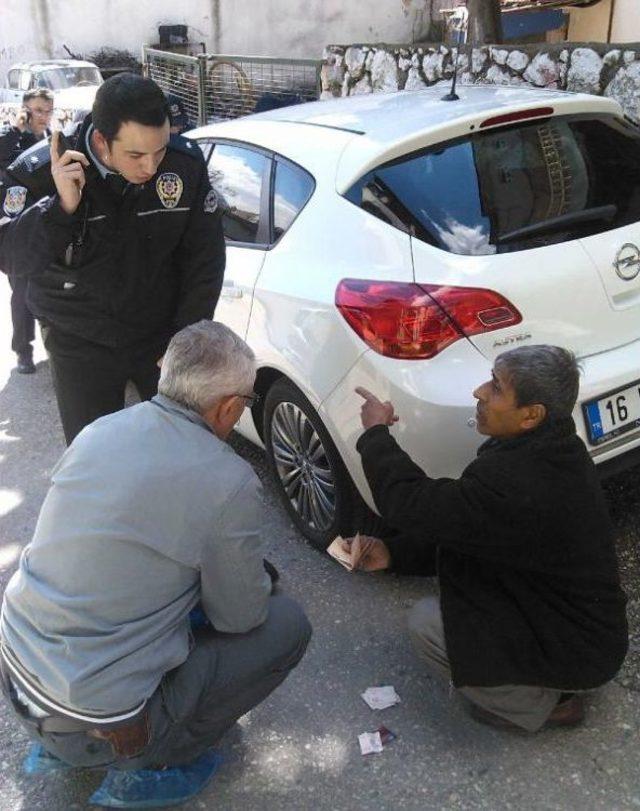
[{"x": 214, "y": 87}]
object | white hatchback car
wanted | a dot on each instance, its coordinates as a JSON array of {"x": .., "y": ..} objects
[{"x": 401, "y": 242}]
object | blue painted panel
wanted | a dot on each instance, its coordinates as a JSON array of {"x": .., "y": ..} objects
[{"x": 517, "y": 24}]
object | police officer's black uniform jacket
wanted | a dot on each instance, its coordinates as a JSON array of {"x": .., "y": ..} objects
[{"x": 133, "y": 265}]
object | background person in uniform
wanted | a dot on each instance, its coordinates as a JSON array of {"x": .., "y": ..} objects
[
  {"x": 177, "y": 114},
  {"x": 530, "y": 608},
  {"x": 126, "y": 250},
  {"x": 151, "y": 513},
  {"x": 31, "y": 125}
]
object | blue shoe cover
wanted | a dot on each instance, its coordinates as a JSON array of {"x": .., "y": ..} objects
[
  {"x": 156, "y": 789},
  {"x": 39, "y": 761}
]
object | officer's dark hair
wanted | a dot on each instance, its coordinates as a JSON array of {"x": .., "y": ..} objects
[
  {"x": 128, "y": 97},
  {"x": 37, "y": 93},
  {"x": 543, "y": 374}
]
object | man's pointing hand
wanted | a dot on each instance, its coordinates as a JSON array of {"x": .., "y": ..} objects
[{"x": 375, "y": 412}]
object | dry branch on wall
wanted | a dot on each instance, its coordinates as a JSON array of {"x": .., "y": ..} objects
[{"x": 113, "y": 60}]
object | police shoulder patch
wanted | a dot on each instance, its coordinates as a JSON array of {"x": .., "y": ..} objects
[
  {"x": 210, "y": 202},
  {"x": 14, "y": 200},
  {"x": 169, "y": 187}
]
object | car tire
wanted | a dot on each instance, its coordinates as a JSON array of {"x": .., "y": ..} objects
[{"x": 310, "y": 476}]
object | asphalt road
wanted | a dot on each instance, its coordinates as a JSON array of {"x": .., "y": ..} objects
[{"x": 299, "y": 750}]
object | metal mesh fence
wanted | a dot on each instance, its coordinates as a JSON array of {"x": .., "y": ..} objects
[
  {"x": 214, "y": 87},
  {"x": 239, "y": 85},
  {"x": 177, "y": 74}
]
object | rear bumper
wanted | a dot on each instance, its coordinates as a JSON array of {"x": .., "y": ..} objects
[
  {"x": 620, "y": 463},
  {"x": 437, "y": 409},
  {"x": 608, "y": 371}
]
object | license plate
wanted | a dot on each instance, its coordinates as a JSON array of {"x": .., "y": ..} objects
[{"x": 613, "y": 414}]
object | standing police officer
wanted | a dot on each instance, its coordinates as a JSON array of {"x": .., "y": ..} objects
[
  {"x": 127, "y": 249},
  {"x": 31, "y": 125}
]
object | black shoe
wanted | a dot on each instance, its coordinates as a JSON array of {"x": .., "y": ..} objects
[{"x": 25, "y": 364}]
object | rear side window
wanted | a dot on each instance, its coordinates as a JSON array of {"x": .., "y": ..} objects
[
  {"x": 512, "y": 189},
  {"x": 292, "y": 188},
  {"x": 237, "y": 175}
]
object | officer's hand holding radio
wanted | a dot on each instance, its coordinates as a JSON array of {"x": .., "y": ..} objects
[{"x": 68, "y": 173}]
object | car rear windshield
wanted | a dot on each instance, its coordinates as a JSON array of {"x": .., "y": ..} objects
[
  {"x": 512, "y": 189},
  {"x": 59, "y": 78}
]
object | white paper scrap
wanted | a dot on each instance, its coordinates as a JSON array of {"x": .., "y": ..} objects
[
  {"x": 379, "y": 698},
  {"x": 370, "y": 743}
]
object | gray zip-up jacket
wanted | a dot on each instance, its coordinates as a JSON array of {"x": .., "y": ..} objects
[{"x": 148, "y": 513}]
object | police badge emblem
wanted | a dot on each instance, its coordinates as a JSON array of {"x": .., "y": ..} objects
[
  {"x": 210, "y": 202},
  {"x": 169, "y": 187},
  {"x": 14, "y": 200}
]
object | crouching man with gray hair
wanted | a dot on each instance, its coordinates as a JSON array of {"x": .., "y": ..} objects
[
  {"x": 150, "y": 515},
  {"x": 530, "y": 611}
]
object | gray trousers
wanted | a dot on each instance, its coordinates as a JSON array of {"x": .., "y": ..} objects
[
  {"x": 224, "y": 676},
  {"x": 527, "y": 707}
]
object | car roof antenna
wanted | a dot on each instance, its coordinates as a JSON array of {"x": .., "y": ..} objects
[{"x": 458, "y": 21}]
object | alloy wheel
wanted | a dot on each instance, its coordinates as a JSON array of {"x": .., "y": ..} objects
[{"x": 303, "y": 467}]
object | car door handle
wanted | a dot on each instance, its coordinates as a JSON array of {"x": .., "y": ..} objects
[{"x": 230, "y": 291}]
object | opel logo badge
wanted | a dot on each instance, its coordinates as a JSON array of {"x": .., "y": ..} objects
[{"x": 627, "y": 262}]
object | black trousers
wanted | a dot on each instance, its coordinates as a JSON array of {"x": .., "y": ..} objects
[
  {"x": 90, "y": 379},
  {"x": 21, "y": 318}
]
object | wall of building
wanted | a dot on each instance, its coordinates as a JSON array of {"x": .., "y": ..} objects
[
  {"x": 609, "y": 70},
  {"x": 626, "y": 21},
  {"x": 37, "y": 29},
  {"x": 590, "y": 24},
  {"x": 614, "y": 20}
]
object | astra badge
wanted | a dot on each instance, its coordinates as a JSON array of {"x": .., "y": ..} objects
[
  {"x": 627, "y": 262},
  {"x": 14, "y": 200},
  {"x": 210, "y": 202},
  {"x": 512, "y": 339},
  {"x": 169, "y": 187}
]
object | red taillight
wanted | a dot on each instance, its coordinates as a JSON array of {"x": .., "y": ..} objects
[
  {"x": 416, "y": 322},
  {"x": 397, "y": 320},
  {"x": 474, "y": 309}
]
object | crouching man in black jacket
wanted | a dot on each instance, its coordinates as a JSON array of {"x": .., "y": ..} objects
[
  {"x": 120, "y": 235},
  {"x": 530, "y": 610}
]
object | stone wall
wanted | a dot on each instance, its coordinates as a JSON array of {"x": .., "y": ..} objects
[{"x": 603, "y": 69}]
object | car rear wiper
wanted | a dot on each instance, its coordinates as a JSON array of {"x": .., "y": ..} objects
[{"x": 557, "y": 223}]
